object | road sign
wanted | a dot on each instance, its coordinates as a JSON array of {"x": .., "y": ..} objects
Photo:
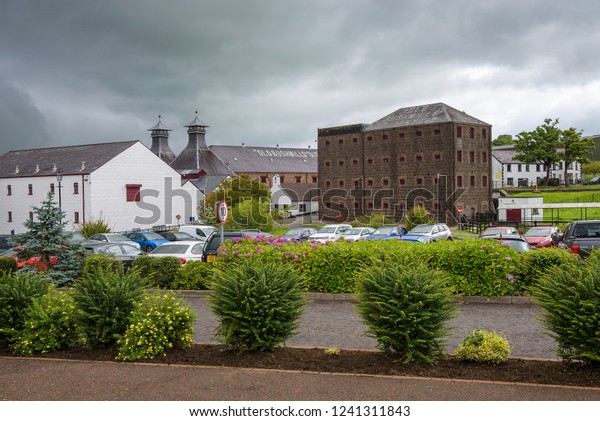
[
  {"x": 459, "y": 209},
  {"x": 222, "y": 211}
]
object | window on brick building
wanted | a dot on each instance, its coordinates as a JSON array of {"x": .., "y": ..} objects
[
  {"x": 356, "y": 183},
  {"x": 459, "y": 131},
  {"x": 437, "y": 156},
  {"x": 315, "y": 179},
  {"x": 459, "y": 181},
  {"x": 355, "y": 205},
  {"x": 402, "y": 181},
  {"x": 263, "y": 179},
  {"x": 327, "y": 163},
  {"x": 369, "y": 138},
  {"x": 298, "y": 179},
  {"x": 370, "y": 161},
  {"x": 419, "y": 158},
  {"x": 354, "y": 140},
  {"x": 472, "y": 133},
  {"x": 437, "y": 132},
  {"x": 401, "y": 135},
  {"x": 419, "y": 181},
  {"x": 459, "y": 156},
  {"x": 75, "y": 188},
  {"x": 484, "y": 182},
  {"x": 370, "y": 205},
  {"x": 133, "y": 192},
  {"x": 355, "y": 162},
  {"x": 341, "y": 141},
  {"x": 341, "y": 183},
  {"x": 386, "y": 182},
  {"x": 327, "y": 143},
  {"x": 419, "y": 133},
  {"x": 340, "y": 163},
  {"x": 385, "y": 160},
  {"x": 369, "y": 182},
  {"x": 384, "y": 137},
  {"x": 386, "y": 205},
  {"x": 328, "y": 184},
  {"x": 401, "y": 158}
]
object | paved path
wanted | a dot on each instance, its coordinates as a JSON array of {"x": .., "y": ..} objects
[{"x": 335, "y": 324}]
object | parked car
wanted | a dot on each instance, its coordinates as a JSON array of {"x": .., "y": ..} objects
[
  {"x": 329, "y": 232},
  {"x": 124, "y": 252},
  {"x": 148, "y": 241},
  {"x": 514, "y": 241},
  {"x": 75, "y": 237},
  {"x": 214, "y": 241},
  {"x": 542, "y": 236},
  {"x": 497, "y": 231},
  {"x": 4, "y": 242},
  {"x": 387, "y": 233},
  {"x": 112, "y": 237},
  {"x": 299, "y": 234},
  {"x": 357, "y": 234},
  {"x": 199, "y": 232},
  {"x": 184, "y": 250},
  {"x": 581, "y": 237},
  {"x": 435, "y": 232},
  {"x": 176, "y": 236},
  {"x": 593, "y": 180},
  {"x": 32, "y": 261}
]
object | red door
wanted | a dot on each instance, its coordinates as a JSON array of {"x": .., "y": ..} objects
[{"x": 513, "y": 215}]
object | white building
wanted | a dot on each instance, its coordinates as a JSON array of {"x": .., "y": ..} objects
[
  {"x": 520, "y": 209},
  {"x": 296, "y": 198},
  {"x": 508, "y": 172},
  {"x": 122, "y": 183}
]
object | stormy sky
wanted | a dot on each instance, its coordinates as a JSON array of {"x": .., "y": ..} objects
[{"x": 274, "y": 71}]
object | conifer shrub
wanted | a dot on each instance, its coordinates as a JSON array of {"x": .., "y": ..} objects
[
  {"x": 104, "y": 302},
  {"x": 570, "y": 299},
  {"x": 157, "y": 271},
  {"x": 484, "y": 347},
  {"x": 158, "y": 323},
  {"x": 194, "y": 275},
  {"x": 17, "y": 292},
  {"x": 258, "y": 305},
  {"x": 49, "y": 325},
  {"x": 94, "y": 226},
  {"x": 406, "y": 307},
  {"x": 8, "y": 265}
]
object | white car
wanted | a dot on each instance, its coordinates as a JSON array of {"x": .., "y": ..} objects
[
  {"x": 199, "y": 232},
  {"x": 329, "y": 232},
  {"x": 357, "y": 234},
  {"x": 113, "y": 237},
  {"x": 185, "y": 251}
]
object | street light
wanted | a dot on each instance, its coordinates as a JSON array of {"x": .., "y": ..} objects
[{"x": 59, "y": 178}]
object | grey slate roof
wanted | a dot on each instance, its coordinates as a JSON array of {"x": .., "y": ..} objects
[
  {"x": 200, "y": 158},
  {"x": 423, "y": 115},
  {"x": 207, "y": 183},
  {"x": 505, "y": 156},
  {"x": 249, "y": 159},
  {"x": 301, "y": 192},
  {"x": 69, "y": 160}
]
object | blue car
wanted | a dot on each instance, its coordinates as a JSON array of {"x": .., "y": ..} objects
[
  {"x": 387, "y": 233},
  {"x": 148, "y": 241},
  {"x": 417, "y": 238}
]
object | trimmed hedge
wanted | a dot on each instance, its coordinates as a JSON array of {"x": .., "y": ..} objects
[{"x": 157, "y": 271}]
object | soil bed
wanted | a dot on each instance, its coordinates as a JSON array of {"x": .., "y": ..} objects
[{"x": 362, "y": 362}]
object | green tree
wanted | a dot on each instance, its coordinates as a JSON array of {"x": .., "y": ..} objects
[
  {"x": 503, "y": 139},
  {"x": 46, "y": 239},
  {"x": 575, "y": 148},
  {"x": 249, "y": 203},
  {"x": 540, "y": 146},
  {"x": 591, "y": 168}
]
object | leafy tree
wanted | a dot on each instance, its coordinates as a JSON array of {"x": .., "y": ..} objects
[
  {"x": 46, "y": 240},
  {"x": 540, "y": 145},
  {"x": 503, "y": 139},
  {"x": 591, "y": 168},
  {"x": 249, "y": 203},
  {"x": 575, "y": 148}
]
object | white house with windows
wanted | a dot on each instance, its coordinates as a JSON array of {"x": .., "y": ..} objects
[
  {"x": 123, "y": 183},
  {"x": 296, "y": 198},
  {"x": 508, "y": 172}
]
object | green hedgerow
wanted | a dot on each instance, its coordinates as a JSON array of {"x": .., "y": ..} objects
[
  {"x": 157, "y": 271},
  {"x": 258, "y": 304},
  {"x": 157, "y": 324},
  {"x": 104, "y": 303},
  {"x": 194, "y": 275},
  {"x": 17, "y": 292},
  {"x": 49, "y": 325},
  {"x": 570, "y": 299},
  {"x": 484, "y": 347},
  {"x": 406, "y": 307},
  {"x": 104, "y": 263},
  {"x": 533, "y": 266},
  {"x": 8, "y": 264}
]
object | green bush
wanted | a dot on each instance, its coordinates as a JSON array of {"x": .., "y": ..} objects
[
  {"x": 17, "y": 292},
  {"x": 8, "y": 264},
  {"x": 157, "y": 324},
  {"x": 406, "y": 307},
  {"x": 94, "y": 226},
  {"x": 194, "y": 275},
  {"x": 158, "y": 272},
  {"x": 537, "y": 263},
  {"x": 258, "y": 305},
  {"x": 104, "y": 302},
  {"x": 417, "y": 215},
  {"x": 484, "y": 347},
  {"x": 570, "y": 299},
  {"x": 101, "y": 263},
  {"x": 49, "y": 325}
]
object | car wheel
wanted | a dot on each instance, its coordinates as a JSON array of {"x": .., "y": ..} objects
[
  {"x": 148, "y": 249},
  {"x": 449, "y": 238}
]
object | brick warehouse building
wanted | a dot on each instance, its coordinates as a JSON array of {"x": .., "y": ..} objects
[{"x": 432, "y": 154}]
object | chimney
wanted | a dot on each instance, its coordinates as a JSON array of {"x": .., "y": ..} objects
[{"x": 160, "y": 142}]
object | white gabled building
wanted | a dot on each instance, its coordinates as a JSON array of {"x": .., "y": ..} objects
[
  {"x": 508, "y": 172},
  {"x": 296, "y": 198},
  {"x": 123, "y": 183}
]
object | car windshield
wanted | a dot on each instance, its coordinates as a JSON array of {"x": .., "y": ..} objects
[
  {"x": 115, "y": 238},
  {"x": 538, "y": 232},
  {"x": 384, "y": 230},
  {"x": 171, "y": 249},
  {"x": 153, "y": 236},
  {"x": 327, "y": 230},
  {"x": 495, "y": 231},
  {"x": 130, "y": 250},
  {"x": 421, "y": 229},
  {"x": 181, "y": 235},
  {"x": 517, "y": 245},
  {"x": 292, "y": 232}
]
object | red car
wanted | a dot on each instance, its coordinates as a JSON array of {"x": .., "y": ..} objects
[
  {"x": 32, "y": 261},
  {"x": 542, "y": 236}
]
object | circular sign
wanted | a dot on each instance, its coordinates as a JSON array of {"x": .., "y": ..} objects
[
  {"x": 459, "y": 209},
  {"x": 222, "y": 211},
  {"x": 178, "y": 217}
]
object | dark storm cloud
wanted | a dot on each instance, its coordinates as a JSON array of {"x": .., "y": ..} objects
[{"x": 272, "y": 72}]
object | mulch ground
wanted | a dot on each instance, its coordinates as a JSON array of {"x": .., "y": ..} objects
[{"x": 363, "y": 362}]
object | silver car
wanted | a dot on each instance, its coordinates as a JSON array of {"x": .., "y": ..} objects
[{"x": 435, "y": 231}]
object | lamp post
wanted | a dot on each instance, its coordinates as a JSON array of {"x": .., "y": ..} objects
[{"x": 59, "y": 178}]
